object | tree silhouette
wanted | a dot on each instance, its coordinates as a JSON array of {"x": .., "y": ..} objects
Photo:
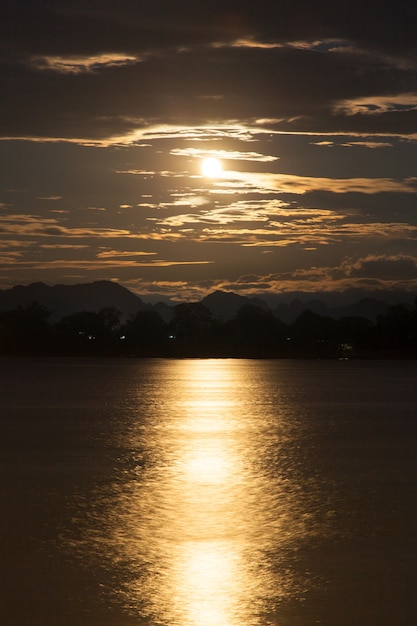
[
  {"x": 193, "y": 332},
  {"x": 191, "y": 328},
  {"x": 145, "y": 333},
  {"x": 256, "y": 332},
  {"x": 25, "y": 330},
  {"x": 355, "y": 335},
  {"x": 89, "y": 331},
  {"x": 397, "y": 329},
  {"x": 314, "y": 334}
]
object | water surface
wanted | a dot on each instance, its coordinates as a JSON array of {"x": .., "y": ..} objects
[{"x": 208, "y": 492}]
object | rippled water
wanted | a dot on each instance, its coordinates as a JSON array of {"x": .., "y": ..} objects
[{"x": 208, "y": 492}]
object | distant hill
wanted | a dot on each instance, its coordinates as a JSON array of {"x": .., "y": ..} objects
[
  {"x": 224, "y": 305},
  {"x": 67, "y": 299},
  {"x": 368, "y": 308},
  {"x": 164, "y": 310},
  {"x": 288, "y": 312}
]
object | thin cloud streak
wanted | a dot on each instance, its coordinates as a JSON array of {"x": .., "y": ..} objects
[{"x": 78, "y": 65}]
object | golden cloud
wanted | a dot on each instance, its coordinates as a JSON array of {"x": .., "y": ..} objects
[
  {"x": 375, "y": 105},
  {"x": 82, "y": 64}
]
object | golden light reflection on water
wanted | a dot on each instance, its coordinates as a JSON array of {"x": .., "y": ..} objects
[
  {"x": 208, "y": 585},
  {"x": 197, "y": 517}
]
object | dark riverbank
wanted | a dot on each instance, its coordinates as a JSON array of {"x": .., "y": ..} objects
[{"x": 194, "y": 332}]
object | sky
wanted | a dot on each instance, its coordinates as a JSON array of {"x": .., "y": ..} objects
[{"x": 109, "y": 108}]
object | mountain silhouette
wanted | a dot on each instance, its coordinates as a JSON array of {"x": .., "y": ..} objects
[
  {"x": 64, "y": 300},
  {"x": 224, "y": 305},
  {"x": 368, "y": 308}
]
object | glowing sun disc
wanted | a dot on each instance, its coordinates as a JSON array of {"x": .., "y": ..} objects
[{"x": 211, "y": 167}]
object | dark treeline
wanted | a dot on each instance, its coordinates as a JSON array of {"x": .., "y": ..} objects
[{"x": 194, "y": 332}]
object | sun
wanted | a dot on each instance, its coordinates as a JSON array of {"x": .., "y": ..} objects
[{"x": 211, "y": 167}]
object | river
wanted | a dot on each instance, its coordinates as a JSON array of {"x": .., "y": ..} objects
[{"x": 216, "y": 492}]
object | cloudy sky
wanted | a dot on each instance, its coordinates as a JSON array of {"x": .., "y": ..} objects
[{"x": 109, "y": 108}]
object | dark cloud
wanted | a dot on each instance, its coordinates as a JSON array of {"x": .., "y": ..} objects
[
  {"x": 109, "y": 107},
  {"x": 172, "y": 71},
  {"x": 89, "y": 25},
  {"x": 391, "y": 268}
]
